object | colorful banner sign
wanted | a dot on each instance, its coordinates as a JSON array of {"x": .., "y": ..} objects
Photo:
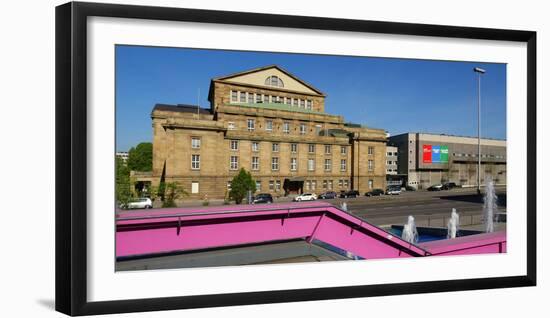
[{"x": 435, "y": 154}]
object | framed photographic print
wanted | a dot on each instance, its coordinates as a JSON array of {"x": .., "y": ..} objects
[{"x": 210, "y": 158}]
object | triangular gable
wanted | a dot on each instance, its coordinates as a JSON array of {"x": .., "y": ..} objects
[{"x": 258, "y": 76}]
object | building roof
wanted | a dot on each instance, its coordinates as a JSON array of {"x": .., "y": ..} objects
[
  {"x": 221, "y": 78},
  {"x": 182, "y": 108},
  {"x": 445, "y": 135}
]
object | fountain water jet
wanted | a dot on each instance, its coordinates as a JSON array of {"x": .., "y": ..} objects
[
  {"x": 410, "y": 234},
  {"x": 452, "y": 225},
  {"x": 489, "y": 205}
]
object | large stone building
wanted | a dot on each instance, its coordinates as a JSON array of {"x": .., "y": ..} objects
[
  {"x": 428, "y": 159},
  {"x": 274, "y": 125}
]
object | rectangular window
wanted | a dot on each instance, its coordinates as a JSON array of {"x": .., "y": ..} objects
[
  {"x": 289, "y": 101},
  {"x": 343, "y": 150},
  {"x": 228, "y": 185},
  {"x": 308, "y": 185},
  {"x": 340, "y": 183},
  {"x": 302, "y": 129},
  {"x": 194, "y": 187},
  {"x": 318, "y": 129},
  {"x": 330, "y": 184},
  {"x": 308, "y": 106},
  {"x": 328, "y": 149},
  {"x": 258, "y": 186},
  {"x": 234, "y": 144},
  {"x": 274, "y": 99},
  {"x": 346, "y": 183},
  {"x": 343, "y": 165},
  {"x": 258, "y": 98},
  {"x": 269, "y": 125},
  {"x": 311, "y": 164},
  {"x": 255, "y": 163},
  {"x": 266, "y": 98},
  {"x": 271, "y": 185},
  {"x": 328, "y": 165},
  {"x": 371, "y": 150},
  {"x": 234, "y": 96},
  {"x": 286, "y": 127},
  {"x": 311, "y": 148},
  {"x": 275, "y": 147},
  {"x": 250, "y": 124},
  {"x": 234, "y": 163},
  {"x": 294, "y": 148},
  {"x": 195, "y": 142},
  {"x": 242, "y": 97},
  {"x": 371, "y": 165},
  {"x": 313, "y": 184},
  {"x": 255, "y": 146},
  {"x": 195, "y": 162},
  {"x": 295, "y": 102},
  {"x": 325, "y": 184},
  {"x": 251, "y": 98},
  {"x": 370, "y": 184},
  {"x": 277, "y": 185},
  {"x": 274, "y": 163},
  {"x": 293, "y": 164},
  {"x": 302, "y": 103}
]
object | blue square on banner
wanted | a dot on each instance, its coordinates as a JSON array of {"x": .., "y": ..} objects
[{"x": 436, "y": 154}]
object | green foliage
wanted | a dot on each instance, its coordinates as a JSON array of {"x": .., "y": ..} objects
[
  {"x": 240, "y": 185},
  {"x": 140, "y": 158},
  {"x": 172, "y": 192},
  {"x": 123, "y": 183}
]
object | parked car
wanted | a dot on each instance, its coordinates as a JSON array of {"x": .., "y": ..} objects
[
  {"x": 306, "y": 197},
  {"x": 263, "y": 198},
  {"x": 350, "y": 194},
  {"x": 410, "y": 188},
  {"x": 449, "y": 185},
  {"x": 436, "y": 187},
  {"x": 140, "y": 203},
  {"x": 375, "y": 192},
  {"x": 393, "y": 190},
  {"x": 328, "y": 195}
]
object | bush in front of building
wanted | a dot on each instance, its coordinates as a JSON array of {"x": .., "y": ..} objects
[
  {"x": 240, "y": 185},
  {"x": 172, "y": 192}
]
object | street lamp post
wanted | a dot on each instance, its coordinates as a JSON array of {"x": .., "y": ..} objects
[{"x": 479, "y": 71}]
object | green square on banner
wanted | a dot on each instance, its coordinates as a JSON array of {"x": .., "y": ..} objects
[{"x": 444, "y": 156}]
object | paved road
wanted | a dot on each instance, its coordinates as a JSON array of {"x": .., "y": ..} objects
[{"x": 428, "y": 208}]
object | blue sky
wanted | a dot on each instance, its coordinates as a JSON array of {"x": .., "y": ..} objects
[{"x": 398, "y": 95}]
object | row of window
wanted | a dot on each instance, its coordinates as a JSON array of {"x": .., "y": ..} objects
[
  {"x": 255, "y": 163},
  {"x": 474, "y": 155},
  {"x": 275, "y": 146},
  {"x": 389, "y": 154},
  {"x": 309, "y": 185},
  {"x": 251, "y": 126},
  {"x": 255, "y": 98}
]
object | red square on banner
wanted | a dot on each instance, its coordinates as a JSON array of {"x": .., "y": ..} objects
[{"x": 427, "y": 153}]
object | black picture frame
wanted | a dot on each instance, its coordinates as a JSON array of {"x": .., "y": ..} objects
[{"x": 71, "y": 157}]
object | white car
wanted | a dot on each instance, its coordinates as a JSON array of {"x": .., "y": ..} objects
[
  {"x": 306, "y": 197},
  {"x": 393, "y": 190},
  {"x": 141, "y": 203}
]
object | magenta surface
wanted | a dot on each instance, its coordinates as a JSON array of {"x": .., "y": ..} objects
[{"x": 152, "y": 232}]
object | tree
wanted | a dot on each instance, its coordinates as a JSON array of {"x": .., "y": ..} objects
[
  {"x": 172, "y": 192},
  {"x": 123, "y": 183},
  {"x": 240, "y": 185},
  {"x": 140, "y": 158}
]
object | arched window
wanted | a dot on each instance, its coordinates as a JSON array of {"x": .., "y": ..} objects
[{"x": 274, "y": 81}]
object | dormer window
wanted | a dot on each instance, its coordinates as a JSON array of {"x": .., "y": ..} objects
[{"x": 274, "y": 81}]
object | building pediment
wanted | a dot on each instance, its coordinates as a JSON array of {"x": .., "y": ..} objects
[{"x": 271, "y": 77}]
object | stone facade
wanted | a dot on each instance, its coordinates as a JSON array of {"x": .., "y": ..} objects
[{"x": 273, "y": 125}]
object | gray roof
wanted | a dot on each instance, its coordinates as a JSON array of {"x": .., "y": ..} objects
[{"x": 182, "y": 108}]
